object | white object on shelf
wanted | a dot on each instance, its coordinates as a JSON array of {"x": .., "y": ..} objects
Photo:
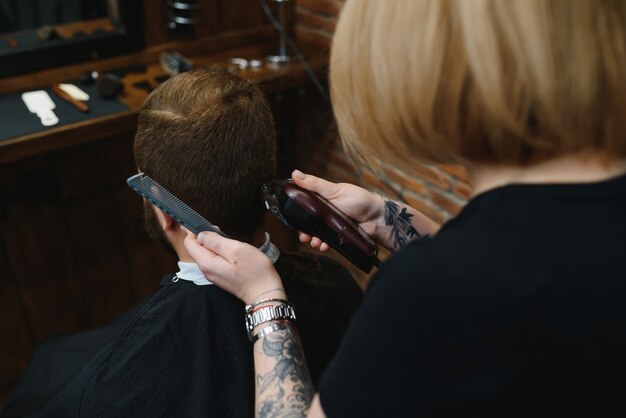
[
  {"x": 74, "y": 91},
  {"x": 40, "y": 103}
]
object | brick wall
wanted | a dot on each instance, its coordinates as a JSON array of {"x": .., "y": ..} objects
[
  {"x": 439, "y": 191},
  {"x": 316, "y": 19}
]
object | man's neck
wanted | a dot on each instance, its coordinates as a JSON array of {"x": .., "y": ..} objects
[{"x": 574, "y": 168}]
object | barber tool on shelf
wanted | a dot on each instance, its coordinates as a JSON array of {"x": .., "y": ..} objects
[
  {"x": 174, "y": 63},
  {"x": 181, "y": 15},
  {"x": 40, "y": 103},
  {"x": 73, "y": 95},
  {"x": 282, "y": 56},
  {"x": 47, "y": 34},
  {"x": 109, "y": 85},
  {"x": 11, "y": 42},
  {"x": 306, "y": 211},
  {"x": 244, "y": 64},
  {"x": 170, "y": 204}
]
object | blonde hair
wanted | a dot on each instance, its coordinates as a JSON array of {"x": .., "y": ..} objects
[{"x": 497, "y": 81}]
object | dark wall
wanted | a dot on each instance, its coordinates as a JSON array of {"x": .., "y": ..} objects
[{"x": 73, "y": 254}]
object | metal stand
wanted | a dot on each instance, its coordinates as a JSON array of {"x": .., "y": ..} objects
[
  {"x": 282, "y": 56},
  {"x": 181, "y": 15}
]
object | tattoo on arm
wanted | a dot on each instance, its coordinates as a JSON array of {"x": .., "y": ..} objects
[
  {"x": 287, "y": 390},
  {"x": 402, "y": 230}
]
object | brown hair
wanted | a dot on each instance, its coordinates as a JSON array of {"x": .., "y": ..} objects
[
  {"x": 208, "y": 137},
  {"x": 492, "y": 81}
]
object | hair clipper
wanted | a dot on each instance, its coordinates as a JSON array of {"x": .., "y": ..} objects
[{"x": 306, "y": 211}]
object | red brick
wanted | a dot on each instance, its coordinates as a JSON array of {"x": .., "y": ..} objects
[
  {"x": 405, "y": 181},
  {"x": 327, "y": 7},
  {"x": 456, "y": 170},
  {"x": 446, "y": 202},
  {"x": 370, "y": 180},
  {"x": 337, "y": 157},
  {"x": 313, "y": 36},
  {"x": 427, "y": 209},
  {"x": 338, "y": 175},
  {"x": 313, "y": 20},
  {"x": 433, "y": 176},
  {"x": 463, "y": 190},
  {"x": 331, "y": 25}
]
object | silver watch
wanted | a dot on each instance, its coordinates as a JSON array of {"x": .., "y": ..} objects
[{"x": 269, "y": 313}]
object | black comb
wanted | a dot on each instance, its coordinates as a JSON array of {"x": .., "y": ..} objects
[{"x": 160, "y": 197}]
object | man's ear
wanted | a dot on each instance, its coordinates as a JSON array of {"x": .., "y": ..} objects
[{"x": 166, "y": 221}]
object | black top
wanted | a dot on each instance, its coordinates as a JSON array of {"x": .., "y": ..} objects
[
  {"x": 516, "y": 308},
  {"x": 186, "y": 353}
]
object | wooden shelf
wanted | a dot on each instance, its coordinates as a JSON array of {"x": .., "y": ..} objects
[{"x": 272, "y": 79}]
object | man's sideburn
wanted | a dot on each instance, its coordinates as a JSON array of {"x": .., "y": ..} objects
[{"x": 153, "y": 228}]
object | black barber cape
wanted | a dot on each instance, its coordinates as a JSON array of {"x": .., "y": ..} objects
[{"x": 185, "y": 351}]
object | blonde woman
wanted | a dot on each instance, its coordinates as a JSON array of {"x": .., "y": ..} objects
[{"x": 514, "y": 308}]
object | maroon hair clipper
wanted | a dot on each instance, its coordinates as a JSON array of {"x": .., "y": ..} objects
[{"x": 306, "y": 211}]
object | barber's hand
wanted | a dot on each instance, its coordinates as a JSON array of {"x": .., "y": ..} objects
[
  {"x": 236, "y": 267},
  {"x": 363, "y": 206}
]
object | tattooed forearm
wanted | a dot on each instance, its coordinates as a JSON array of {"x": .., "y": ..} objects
[
  {"x": 402, "y": 230},
  {"x": 286, "y": 389}
]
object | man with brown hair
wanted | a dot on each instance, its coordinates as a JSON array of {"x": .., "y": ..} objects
[{"x": 208, "y": 137}]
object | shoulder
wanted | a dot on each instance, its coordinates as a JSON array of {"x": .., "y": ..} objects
[
  {"x": 472, "y": 248},
  {"x": 415, "y": 266}
]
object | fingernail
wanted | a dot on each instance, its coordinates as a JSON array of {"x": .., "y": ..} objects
[
  {"x": 185, "y": 229},
  {"x": 299, "y": 174},
  {"x": 201, "y": 237}
]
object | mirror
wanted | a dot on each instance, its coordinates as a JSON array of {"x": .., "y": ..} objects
[{"x": 38, "y": 34}]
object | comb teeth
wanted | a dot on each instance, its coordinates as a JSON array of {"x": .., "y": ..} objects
[{"x": 170, "y": 204}]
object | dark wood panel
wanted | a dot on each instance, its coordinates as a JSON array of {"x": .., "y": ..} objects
[
  {"x": 244, "y": 14},
  {"x": 214, "y": 17},
  {"x": 155, "y": 22},
  {"x": 90, "y": 178},
  {"x": 209, "y": 20},
  {"x": 93, "y": 167},
  {"x": 41, "y": 259},
  {"x": 240, "y": 14},
  {"x": 101, "y": 265},
  {"x": 15, "y": 341}
]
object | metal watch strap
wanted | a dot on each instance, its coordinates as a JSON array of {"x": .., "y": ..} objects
[{"x": 269, "y": 313}]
